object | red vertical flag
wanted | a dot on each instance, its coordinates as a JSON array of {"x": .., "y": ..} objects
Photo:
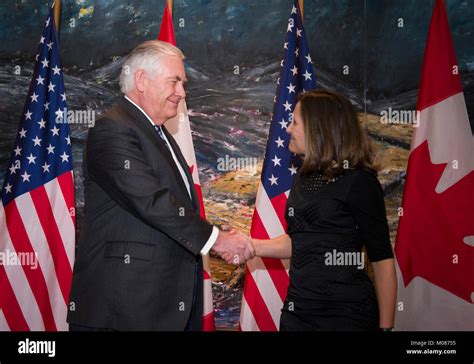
[
  {"x": 167, "y": 29},
  {"x": 435, "y": 241},
  {"x": 180, "y": 128}
]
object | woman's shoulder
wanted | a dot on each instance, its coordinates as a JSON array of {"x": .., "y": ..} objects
[
  {"x": 364, "y": 179},
  {"x": 364, "y": 173}
]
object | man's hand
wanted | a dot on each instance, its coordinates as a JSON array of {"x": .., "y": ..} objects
[{"x": 234, "y": 247}]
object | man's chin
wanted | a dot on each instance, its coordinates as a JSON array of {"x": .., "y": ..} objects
[{"x": 172, "y": 113}]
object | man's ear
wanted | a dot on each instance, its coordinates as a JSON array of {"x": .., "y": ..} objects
[{"x": 140, "y": 80}]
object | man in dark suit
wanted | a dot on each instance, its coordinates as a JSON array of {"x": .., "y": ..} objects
[{"x": 139, "y": 265}]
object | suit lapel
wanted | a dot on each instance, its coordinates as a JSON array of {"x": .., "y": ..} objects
[{"x": 144, "y": 124}]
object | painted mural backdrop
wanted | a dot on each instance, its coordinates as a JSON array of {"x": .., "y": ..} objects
[{"x": 370, "y": 50}]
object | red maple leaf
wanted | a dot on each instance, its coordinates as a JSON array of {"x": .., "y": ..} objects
[{"x": 431, "y": 231}]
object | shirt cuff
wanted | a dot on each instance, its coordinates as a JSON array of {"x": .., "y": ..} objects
[{"x": 210, "y": 242}]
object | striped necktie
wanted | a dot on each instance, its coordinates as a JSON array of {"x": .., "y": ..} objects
[{"x": 159, "y": 130}]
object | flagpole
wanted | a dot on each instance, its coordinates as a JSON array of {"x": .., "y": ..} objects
[
  {"x": 57, "y": 12},
  {"x": 301, "y": 3}
]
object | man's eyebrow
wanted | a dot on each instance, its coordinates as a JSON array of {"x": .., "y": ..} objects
[{"x": 177, "y": 78}]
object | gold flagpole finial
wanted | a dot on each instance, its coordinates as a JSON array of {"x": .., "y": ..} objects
[
  {"x": 57, "y": 12},
  {"x": 301, "y": 3}
]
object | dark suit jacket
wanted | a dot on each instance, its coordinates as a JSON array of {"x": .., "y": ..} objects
[{"x": 138, "y": 260}]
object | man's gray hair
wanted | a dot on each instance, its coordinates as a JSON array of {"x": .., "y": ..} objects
[{"x": 148, "y": 57}]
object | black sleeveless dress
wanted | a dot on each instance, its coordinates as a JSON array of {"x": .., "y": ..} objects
[{"x": 329, "y": 222}]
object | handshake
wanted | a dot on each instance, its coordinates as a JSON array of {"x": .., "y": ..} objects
[{"x": 234, "y": 247}]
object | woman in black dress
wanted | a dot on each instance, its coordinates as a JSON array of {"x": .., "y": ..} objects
[{"x": 335, "y": 207}]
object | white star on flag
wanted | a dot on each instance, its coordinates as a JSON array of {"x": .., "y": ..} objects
[
  {"x": 55, "y": 131},
  {"x": 273, "y": 180},
  {"x": 37, "y": 141},
  {"x": 276, "y": 161},
  {"x": 293, "y": 170},
  {"x": 42, "y": 123},
  {"x": 50, "y": 149},
  {"x": 26, "y": 177},
  {"x": 283, "y": 123},
  {"x": 8, "y": 188},
  {"x": 31, "y": 159},
  {"x": 64, "y": 157},
  {"x": 45, "y": 167},
  {"x": 280, "y": 142}
]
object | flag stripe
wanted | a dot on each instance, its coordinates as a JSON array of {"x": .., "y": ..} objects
[
  {"x": 267, "y": 287},
  {"x": 56, "y": 247},
  {"x": 66, "y": 182},
  {"x": 61, "y": 209},
  {"x": 35, "y": 278},
  {"x": 39, "y": 243},
  {"x": 257, "y": 306},
  {"x": 279, "y": 206},
  {"x": 277, "y": 269},
  {"x": 247, "y": 319},
  {"x": 8, "y": 300},
  {"x": 14, "y": 318},
  {"x": 268, "y": 216}
]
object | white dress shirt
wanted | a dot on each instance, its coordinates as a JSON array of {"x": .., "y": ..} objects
[{"x": 215, "y": 231}]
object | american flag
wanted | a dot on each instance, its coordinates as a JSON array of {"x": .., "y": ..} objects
[
  {"x": 37, "y": 219},
  {"x": 266, "y": 280}
]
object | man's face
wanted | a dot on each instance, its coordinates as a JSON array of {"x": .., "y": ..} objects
[{"x": 161, "y": 95}]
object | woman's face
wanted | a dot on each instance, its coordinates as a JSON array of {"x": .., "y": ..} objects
[{"x": 296, "y": 131}]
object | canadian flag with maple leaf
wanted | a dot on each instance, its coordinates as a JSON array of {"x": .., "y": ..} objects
[
  {"x": 180, "y": 128},
  {"x": 435, "y": 240}
]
